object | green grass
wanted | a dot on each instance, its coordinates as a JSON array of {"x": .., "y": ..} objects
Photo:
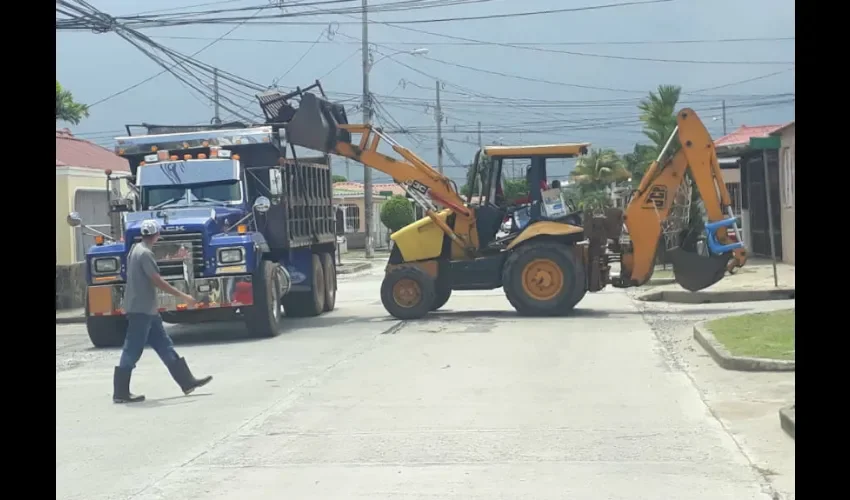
[{"x": 761, "y": 335}]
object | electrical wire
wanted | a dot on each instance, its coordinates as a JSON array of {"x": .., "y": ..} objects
[
  {"x": 485, "y": 43},
  {"x": 386, "y": 7}
]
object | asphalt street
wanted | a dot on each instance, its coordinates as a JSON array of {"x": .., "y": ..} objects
[{"x": 470, "y": 403}]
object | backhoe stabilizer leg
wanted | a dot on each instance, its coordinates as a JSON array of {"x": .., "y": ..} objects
[{"x": 694, "y": 272}]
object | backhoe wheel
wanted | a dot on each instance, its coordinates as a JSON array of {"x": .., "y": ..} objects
[
  {"x": 329, "y": 270},
  {"x": 542, "y": 279},
  {"x": 408, "y": 293},
  {"x": 312, "y": 303},
  {"x": 442, "y": 296}
]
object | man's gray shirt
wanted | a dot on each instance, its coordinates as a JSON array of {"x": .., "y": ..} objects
[{"x": 140, "y": 293}]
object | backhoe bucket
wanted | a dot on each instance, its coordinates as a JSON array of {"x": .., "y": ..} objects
[
  {"x": 315, "y": 124},
  {"x": 695, "y": 272}
]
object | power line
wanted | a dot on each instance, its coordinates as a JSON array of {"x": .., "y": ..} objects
[
  {"x": 486, "y": 43},
  {"x": 388, "y": 7}
]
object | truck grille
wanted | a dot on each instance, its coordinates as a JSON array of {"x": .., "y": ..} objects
[{"x": 196, "y": 239}]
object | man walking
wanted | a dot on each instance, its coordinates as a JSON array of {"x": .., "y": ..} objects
[{"x": 144, "y": 323}]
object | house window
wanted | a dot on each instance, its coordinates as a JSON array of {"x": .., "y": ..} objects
[
  {"x": 352, "y": 218},
  {"x": 788, "y": 178},
  {"x": 734, "y": 190}
]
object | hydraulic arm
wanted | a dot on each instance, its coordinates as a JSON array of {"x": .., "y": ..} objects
[
  {"x": 322, "y": 126},
  {"x": 650, "y": 207}
]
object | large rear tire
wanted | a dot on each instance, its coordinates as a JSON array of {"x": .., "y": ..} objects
[
  {"x": 408, "y": 293},
  {"x": 329, "y": 271},
  {"x": 312, "y": 303},
  {"x": 263, "y": 318},
  {"x": 543, "y": 279},
  {"x": 442, "y": 295}
]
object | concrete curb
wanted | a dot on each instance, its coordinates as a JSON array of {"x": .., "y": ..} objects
[
  {"x": 726, "y": 360},
  {"x": 787, "y": 418},
  {"x": 685, "y": 297},
  {"x": 70, "y": 320},
  {"x": 352, "y": 268}
]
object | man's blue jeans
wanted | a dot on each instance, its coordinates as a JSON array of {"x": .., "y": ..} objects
[{"x": 146, "y": 329}]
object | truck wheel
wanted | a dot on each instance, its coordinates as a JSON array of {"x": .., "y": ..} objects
[
  {"x": 329, "y": 270},
  {"x": 541, "y": 279},
  {"x": 263, "y": 317},
  {"x": 312, "y": 303},
  {"x": 441, "y": 297},
  {"x": 408, "y": 293},
  {"x": 106, "y": 331}
]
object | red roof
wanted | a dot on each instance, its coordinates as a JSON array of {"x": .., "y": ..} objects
[
  {"x": 74, "y": 152},
  {"x": 357, "y": 187},
  {"x": 742, "y": 136}
]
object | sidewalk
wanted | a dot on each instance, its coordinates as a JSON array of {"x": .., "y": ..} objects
[
  {"x": 69, "y": 316},
  {"x": 757, "y": 274}
]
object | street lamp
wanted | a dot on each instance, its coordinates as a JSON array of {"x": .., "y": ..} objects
[
  {"x": 367, "y": 119},
  {"x": 421, "y": 51}
]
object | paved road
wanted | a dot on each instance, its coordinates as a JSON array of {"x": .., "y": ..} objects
[{"x": 473, "y": 403}]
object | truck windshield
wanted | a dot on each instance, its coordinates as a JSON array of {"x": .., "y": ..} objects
[{"x": 218, "y": 193}]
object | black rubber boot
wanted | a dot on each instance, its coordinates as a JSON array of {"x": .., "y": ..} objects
[
  {"x": 121, "y": 387},
  {"x": 183, "y": 376}
]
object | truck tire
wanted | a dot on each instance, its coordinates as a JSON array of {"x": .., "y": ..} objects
[
  {"x": 408, "y": 293},
  {"x": 263, "y": 318},
  {"x": 329, "y": 270},
  {"x": 542, "y": 279},
  {"x": 312, "y": 303},
  {"x": 106, "y": 331}
]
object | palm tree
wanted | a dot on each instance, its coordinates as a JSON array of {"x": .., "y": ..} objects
[
  {"x": 598, "y": 169},
  {"x": 67, "y": 109},
  {"x": 658, "y": 114}
]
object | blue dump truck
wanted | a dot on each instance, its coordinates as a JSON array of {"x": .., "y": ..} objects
[{"x": 246, "y": 230}]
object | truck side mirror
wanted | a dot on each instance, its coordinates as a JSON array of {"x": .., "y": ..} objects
[
  {"x": 275, "y": 182},
  {"x": 74, "y": 219},
  {"x": 262, "y": 204}
]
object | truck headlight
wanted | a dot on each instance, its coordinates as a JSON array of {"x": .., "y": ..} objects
[
  {"x": 105, "y": 265},
  {"x": 230, "y": 256}
]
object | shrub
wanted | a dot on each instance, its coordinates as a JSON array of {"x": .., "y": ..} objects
[{"x": 396, "y": 213}]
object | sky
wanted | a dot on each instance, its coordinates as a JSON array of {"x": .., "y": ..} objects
[{"x": 573, "y": 76}]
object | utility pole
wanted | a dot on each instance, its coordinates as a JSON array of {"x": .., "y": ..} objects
[
  {"x": 367, "y": 119},
  {"x": 723, "y": 106},
  {"x": 439, "y": 116},
  {"x": 347, "y": 171},
  {"x": 480, "y": 180},
  {"x": 216, "y": 118}
]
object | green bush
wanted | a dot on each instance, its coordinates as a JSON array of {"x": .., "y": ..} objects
[{"x": 397, "y": 212}]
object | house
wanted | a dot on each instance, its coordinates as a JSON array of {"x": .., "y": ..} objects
[
  {"x": 349, "y": 196},
  {"x": 81, "y": 187},
  {"x": 787, "y": 183},
  {"x": 735, "y": 154}
]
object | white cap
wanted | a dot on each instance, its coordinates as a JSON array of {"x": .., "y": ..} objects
[{"x": 150, "y": 227}]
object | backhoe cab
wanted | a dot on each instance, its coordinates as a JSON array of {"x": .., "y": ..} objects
[{"x": 550, "y": 261}]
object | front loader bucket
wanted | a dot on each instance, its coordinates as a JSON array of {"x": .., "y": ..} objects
[
  {"x": 315, "y": 124},
  {"x": 694, "y": 272}
]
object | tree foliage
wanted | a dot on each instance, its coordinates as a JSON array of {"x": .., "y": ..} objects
[
  {"x": 598, "y": 169},
  {"x": 397, "y": 212},
  {"x": 658, "y": 114},
  {"x": 67, "y": 109},
  {"x": 338, "y": 178},
  {"x": 638, "y": 161}
]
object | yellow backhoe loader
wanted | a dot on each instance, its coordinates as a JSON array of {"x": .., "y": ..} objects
[{"x": 548, "y": 263}]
